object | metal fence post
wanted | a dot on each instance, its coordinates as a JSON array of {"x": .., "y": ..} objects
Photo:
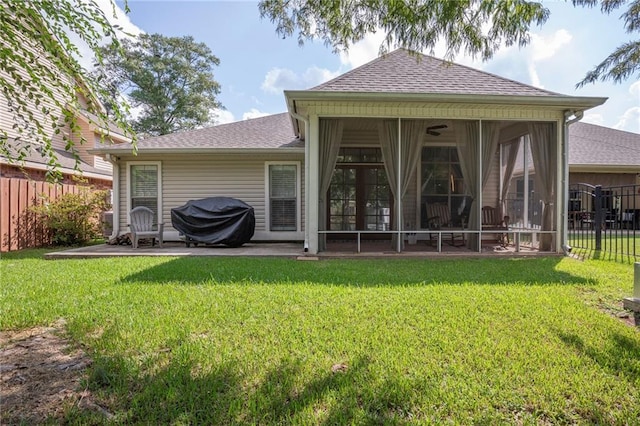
[{"x": 598, "y": 219}]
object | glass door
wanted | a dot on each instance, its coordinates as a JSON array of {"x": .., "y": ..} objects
[{"x": 359, "y": 195}]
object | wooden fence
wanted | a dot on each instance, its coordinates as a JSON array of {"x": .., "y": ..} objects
[{"x": 19, "y": 228}]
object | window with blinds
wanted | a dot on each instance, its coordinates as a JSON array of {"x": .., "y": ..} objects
[
  {"x": 144, "y": 187},
  {"x": 283, "y": 197}
]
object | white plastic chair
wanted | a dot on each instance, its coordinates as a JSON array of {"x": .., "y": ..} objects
[{"x": 142, "y": 226}]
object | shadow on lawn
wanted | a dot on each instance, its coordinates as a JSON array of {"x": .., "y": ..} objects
[
  {"x": 361, "y": 273},
  {"x": 181, "y": 393},
  {"x": 620, "y": 356}
]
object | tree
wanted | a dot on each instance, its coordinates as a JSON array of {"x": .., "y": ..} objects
[
  {"x": 476, "y": 27},
  {"x": 169, "y": 78},
  {"x": 41, "y": 77}
]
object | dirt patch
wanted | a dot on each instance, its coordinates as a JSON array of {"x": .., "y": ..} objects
[{"x": 41, "y": 375}]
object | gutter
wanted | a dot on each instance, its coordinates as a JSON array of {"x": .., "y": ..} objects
[
  {"x": 217, "y": 151},
  {"x": 306, "y": 176},
  {"x": 561, "y": 101},
  {"x": 577, "y": 116},
  {"x": 115, "y": 230}
]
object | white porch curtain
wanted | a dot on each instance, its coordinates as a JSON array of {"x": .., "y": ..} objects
[
  {"x": 545, "y": 162},
  {"x": 330, "y": 140},
  {"x": 512, "y": 155},
  {"x": 467, "y": 142},
  {"x": 411, "y": 140}
]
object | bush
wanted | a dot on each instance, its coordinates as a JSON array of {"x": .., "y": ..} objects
[{"x": 73, "y": 219}]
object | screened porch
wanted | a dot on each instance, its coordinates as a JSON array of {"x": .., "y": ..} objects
[{"x": 440, "y": 185}]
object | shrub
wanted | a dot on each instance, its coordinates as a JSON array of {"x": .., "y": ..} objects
[{"x": 73, "y": 218}]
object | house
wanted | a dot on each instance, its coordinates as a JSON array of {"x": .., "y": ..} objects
[
  {"x": 363, "y": 155},
  {"x": 24, "y": 180},
  {"x": 603, "y": 156}
]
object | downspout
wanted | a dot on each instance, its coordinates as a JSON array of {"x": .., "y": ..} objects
[
  {"x": 115, "y": 173},
  {"x": 306, "y": 177},
  {"x": 577, "y": 116}
]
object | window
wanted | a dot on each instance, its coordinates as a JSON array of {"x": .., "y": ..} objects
[
  {"x": 144, "y": 184},
  {"x": 283, "y": 197}
]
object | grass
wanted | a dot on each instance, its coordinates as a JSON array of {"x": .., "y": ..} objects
[
  {"x": 255, "y": 341},
  {"x": 619, "y": 245}
]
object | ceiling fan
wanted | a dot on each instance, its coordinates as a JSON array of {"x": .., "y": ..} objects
[{"x": 431, "y": 130}]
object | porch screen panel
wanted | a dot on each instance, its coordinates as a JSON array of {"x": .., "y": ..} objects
[
  {"x": 144, "y": 187},
  {"x": 283, "y": 199}
]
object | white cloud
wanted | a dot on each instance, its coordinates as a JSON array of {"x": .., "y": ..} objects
[
  {"x": 363, "y": 51},
  {"x": 594, "y": 119},
  {"x": 545, "y": 47},
  {"x": 254, "y": 113},
  {"x": 222, "y": 116},
  {"x": 279, "y": 79},
  {"x": 117, "y": 18},
  {"x": 634, "y": 89},
  {"x": 630, "y": 120},
  {"x": 533, "y": 75}
]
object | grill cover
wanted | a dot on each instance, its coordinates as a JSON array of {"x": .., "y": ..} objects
[{"x": 215, "y": 220}]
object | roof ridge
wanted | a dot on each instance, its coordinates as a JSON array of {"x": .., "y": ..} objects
[
  {"x": 206, "y": 128},
  {"x": 584, "y": 123},
  {"x": 374, "y": 77},
  {"x": 360, "y": 67},
  {"x": 444, "y": 61}
]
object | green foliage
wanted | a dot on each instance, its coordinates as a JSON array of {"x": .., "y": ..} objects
[
  {"x": 624, "y": 61},
  {"x": 279, "y": 341},
  {"x": 475, "y": 27},
  {"x": 73, "y": 219},
  {"x": 169, "y": 78},
  {"x": 41, "y": 78}
]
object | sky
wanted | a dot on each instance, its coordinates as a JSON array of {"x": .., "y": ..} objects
[{"x": 256, "y": 64}]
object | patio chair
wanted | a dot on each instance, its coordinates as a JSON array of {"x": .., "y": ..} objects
[
  {"x": 142, "y": 225},
  {"x": 439, "y": 219},
  {"x": 491, "y": 221}
]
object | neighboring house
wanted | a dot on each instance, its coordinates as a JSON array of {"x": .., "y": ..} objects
[
  {"x": 603, "y": 156},
  {"x": 364, "y": 155},
  {"x": 23, "y": 182}
]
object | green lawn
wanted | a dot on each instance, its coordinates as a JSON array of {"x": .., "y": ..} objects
[
  {"x": 254, "y": 340},
  {"x": 620, "y": 245}
]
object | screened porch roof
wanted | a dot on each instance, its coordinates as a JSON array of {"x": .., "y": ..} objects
[{"x": 402, "y": 76}]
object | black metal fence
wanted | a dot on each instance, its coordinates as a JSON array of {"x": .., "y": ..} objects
[{"x": 605, "y": 219}]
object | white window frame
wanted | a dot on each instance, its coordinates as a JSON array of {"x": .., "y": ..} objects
[
  {"x": 128, "y": 180},
  {"x": 267, "y": 194}
]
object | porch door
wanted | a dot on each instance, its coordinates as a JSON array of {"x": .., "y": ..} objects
[{"x": 359, "y": 199}]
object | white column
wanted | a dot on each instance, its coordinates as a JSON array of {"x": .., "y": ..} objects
[
  {"x": 398, "y": 189},
  {"x": 479, "y": 205},
  {"x": 562, "y": 188},
  {"x": 525, "y": 159},
  {"x": 314, "y": 182}
]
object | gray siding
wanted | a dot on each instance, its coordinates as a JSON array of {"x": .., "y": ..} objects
[{"x": 189, "y": 177}]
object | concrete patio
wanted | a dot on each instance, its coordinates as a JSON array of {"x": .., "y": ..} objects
[{"x": 294, "y": 250}]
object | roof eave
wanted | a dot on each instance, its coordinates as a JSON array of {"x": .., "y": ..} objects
[
  {"x": 122, "y": 151},
  {"x": 65, "y": 170},
  {"x": 603, "y": 168},
  {"x": 578, "y": 102}
]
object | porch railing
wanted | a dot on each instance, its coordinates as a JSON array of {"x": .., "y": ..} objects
[{"x": 516, "y": 235}]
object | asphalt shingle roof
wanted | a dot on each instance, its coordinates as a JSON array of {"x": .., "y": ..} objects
[
  {"x": 273, "y": 131},
  {"x": 403, "y": 72},
  {"x": 598, "y": 145},
  {"x": 66, "y": 159}
]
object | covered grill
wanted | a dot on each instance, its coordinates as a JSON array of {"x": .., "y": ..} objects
[{"x": 215, "y": 220}]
